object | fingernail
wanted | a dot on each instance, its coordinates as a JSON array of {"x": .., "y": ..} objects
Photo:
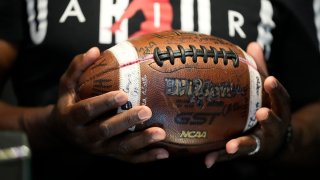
[
  {"x": 144, "y": 114},
  {"x": 162, "y": 155},
  {"x": 265, "y": 115},
  {"x": 232, "y": 146},
  {"x": 120, "y": 98},
  {"x": 84, "y": 54},
  {"x": 158, "y": 136},
  {"x": 88, "y": 51},
  {"x": 210, "y": 163},
  {"x": 274, "y": 84},
  {"x": 233, "y": 150},
  {"x": 211, "y": 159}
]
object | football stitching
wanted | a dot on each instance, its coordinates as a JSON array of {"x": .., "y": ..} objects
[{"x": 181, "y": 53}]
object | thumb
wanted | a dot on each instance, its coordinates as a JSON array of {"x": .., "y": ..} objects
[{"x": 256, "y": 51}]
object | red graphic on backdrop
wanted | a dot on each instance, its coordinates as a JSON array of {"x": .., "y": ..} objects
[{"x": 158, "y": 16}]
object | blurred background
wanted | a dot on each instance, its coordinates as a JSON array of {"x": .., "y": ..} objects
[{"x": 15, "y": 154}]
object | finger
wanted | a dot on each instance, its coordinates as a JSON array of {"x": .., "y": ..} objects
[
  {"x": 136, "y": 141},
  {"x": 119, "y": 123},
  {"x": 235, "y": 148},
  {"x": 218, "y": 156},
  {"x": 89, "y": 109},
  {"x": 243, "y": 146},
  {"x": 268, "y": 120},
  {"x": 151, "y": 155},
  {"x": 81, "y": 62},
  {"x": 129, "y": 146},
  {"x": 211, "y": 159},
  {"x": 256, "y": 51},
  {"x": 221, "y": 155},
  {"x": 273, "y": 130},
  {"x": 141, "y": 140},
  {"x": 280, "y": 100},
  {"x": 238, "y": 147}
]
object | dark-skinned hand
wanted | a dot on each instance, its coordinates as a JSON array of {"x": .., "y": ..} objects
[
  {"x": 272, "y": 121},
  {"x": 81, "y": 122}
]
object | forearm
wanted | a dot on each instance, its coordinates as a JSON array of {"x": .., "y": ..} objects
[{"x": 32, "y": 121}]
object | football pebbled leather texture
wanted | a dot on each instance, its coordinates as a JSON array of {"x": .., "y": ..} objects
[{"x": 202, "y": 89}]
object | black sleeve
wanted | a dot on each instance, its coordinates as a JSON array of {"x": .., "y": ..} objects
[
  {"x": 294, "y": 58},
  {"x": 11, "y": 20}
]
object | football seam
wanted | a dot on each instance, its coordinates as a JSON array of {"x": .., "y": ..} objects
[{"x": 169, "y": 54}]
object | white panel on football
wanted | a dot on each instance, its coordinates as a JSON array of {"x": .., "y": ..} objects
[
  {"x": 129, "y": 70},
  {"x": 255, "y": 97},
  {"x": 255, "y": 89}
]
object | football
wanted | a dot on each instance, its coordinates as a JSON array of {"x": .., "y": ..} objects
[{"x": 202, "y": 89}]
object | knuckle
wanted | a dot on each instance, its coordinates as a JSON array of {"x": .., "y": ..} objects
[
  {"x": 76, "y": 62},
  {"x": 64, "y": 80},
  {"x": 83, "y": 111},
  {"x": 130, "y": 121},
  {"x": 87, "y": 109},
  {"x": 76, "y": 66},
  {"x": 124, "y": 148},
  {"x": 147, "y": 137},
  {"x": 107, "y": 130},
  {"x": 108, "y": 103},
  {"x": 133, "y": 117}
]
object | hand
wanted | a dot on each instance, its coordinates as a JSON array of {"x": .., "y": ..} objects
[
  {"x": 272, "y": 126},
  {"x": 82, "y": 123}
]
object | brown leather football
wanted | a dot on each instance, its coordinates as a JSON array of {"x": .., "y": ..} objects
[{"x": 202, "y": 90}]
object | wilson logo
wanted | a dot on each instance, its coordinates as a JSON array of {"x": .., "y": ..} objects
[{"x": 193, "y": 134}]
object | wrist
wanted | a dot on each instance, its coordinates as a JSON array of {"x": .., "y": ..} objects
[
  {"x": 285, "y": 147},
  {"x": 34, "y": 121}
]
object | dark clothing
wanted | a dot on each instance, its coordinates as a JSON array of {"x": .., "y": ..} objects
[
  {"x": 295, "y": 57},
  {"x": 55, "y": 33},
  {"x": 50, "y": 33}
]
